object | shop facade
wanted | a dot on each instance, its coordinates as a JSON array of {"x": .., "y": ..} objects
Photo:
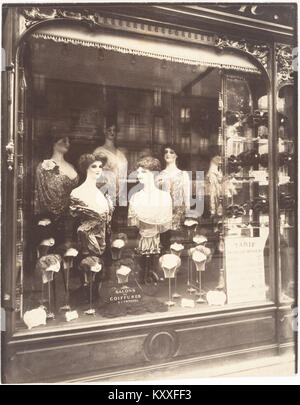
[{"x": 189, "y": 252}]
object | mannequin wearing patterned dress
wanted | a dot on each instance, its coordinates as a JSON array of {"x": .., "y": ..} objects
[
  {"x": 93, "y": 209},
  {"x": 55, "y": 179}
]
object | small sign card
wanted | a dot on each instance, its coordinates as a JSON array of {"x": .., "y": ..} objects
[{"x": 245, "y": 271}]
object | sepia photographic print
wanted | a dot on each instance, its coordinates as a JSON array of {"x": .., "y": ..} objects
[{"x": 148, "y": 192}]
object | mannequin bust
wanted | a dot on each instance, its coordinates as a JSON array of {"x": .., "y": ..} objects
[
  {"x": 177, "y": 183},
  {"x": 55, "y": 179},
  {"x": 150, "y": 209},
  {"x": 93, "y": 208},
  {"x": 116, "y": 160},
  {"x": 214, "y": 180}
]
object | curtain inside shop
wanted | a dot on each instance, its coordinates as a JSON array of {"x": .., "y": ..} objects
[{"x": 155, "y": 48}]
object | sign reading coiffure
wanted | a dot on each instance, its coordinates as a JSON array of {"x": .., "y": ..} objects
[
  {"x": 245, "y": 270},
  {"x": 124, "y": 295}
]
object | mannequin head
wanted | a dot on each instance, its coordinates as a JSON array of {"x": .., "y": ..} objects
[
  {"x": 146, "y": 168},
  {"x": 56, "y": 142},
  {"x": 61, "y": 145},
  {"x": 92, "y": 165},
  {"x": 170, "y": 154},
  {"x": 216, "y": 160},
  {"x": 110, "y": 132}
]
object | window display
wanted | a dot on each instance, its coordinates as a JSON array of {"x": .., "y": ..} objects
[
  {"x": 119, "y": 234},
  {"x": 287, "y": 191}
]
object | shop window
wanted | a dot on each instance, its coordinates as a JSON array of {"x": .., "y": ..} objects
[
  {"x": 287, "y": 191},
  {"x": 189, "y": 191}
]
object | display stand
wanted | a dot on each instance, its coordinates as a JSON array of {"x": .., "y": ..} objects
[
  {"x": 199, "y": 260},
  {"x": 176, "y": 249},
  {"x": 91, "y": 265},
  {"x": 169, "y": 264}
]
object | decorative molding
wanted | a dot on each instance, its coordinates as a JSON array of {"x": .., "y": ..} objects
[
  {"x": 35, "y": 15},
  {"x": 265, "y": 12},
  {"x": 261, "y": 52},
  {"x": 284, "y": 64}
]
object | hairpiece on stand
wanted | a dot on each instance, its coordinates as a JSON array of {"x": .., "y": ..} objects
[
  {"x": 234, "y": 164},
  {"x": 286, "y": 201},
  {"x": 282, "y": 119},
  {"x": 68, "y": 251},
  {"x": 118, "y": 243},
  {"x": 48, "y": 265},
  {"x": 248, "y": 158},
  {"x": 258, "y": 118},
  {"x": 260, "y": 204},
  {"x": 264, "y": 160},
  {"x": 285, "y": 158},
  {"x": 91, "y": 265},
  {"x": 235, "y": 211}
]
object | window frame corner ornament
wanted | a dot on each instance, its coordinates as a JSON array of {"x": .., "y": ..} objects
[
  {"x": 284, "y": 64},
  {"x": 10, "y": 151},
  {"x": 261, "y": 52},
  {"x": 34, "y": 15}
]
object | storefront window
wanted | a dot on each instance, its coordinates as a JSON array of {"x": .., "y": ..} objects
[
  {"x": 146, "y": 186},
  {"x": 287, "y": 191}
]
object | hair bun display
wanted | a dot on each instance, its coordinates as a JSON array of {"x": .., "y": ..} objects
[
  {"x": 264, "y": 160},
  {"x": 285, "y": 158},
  {"x": 260, "y": 204},
  {"x": 249, "y": 158},
  {"x": 233, "y": 164}
]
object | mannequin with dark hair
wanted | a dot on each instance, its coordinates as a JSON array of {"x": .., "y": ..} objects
[
  {"x": 116, "y": 162},
  {"x": 93, "y": 209},
  {"x": 177, "y": 183},
  {"x": 55, "y": 179}
]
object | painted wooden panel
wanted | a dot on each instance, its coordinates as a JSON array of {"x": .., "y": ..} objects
[
  {"x": 228, "y": 335},
  {"x": 78, "y": 356}
]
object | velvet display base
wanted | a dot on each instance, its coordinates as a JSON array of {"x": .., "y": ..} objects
[{"x": 147, "y": 304}]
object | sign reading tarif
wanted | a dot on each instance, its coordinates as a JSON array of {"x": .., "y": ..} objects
[{"x": 245, "y": 270}]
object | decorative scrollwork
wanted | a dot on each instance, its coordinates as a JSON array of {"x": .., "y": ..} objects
[
  {"x": 10, "y": 150},
  {"x": 35, "y": 14},
  {"x": 259, "y": 51},
  {"x": 284, "y": 61}
]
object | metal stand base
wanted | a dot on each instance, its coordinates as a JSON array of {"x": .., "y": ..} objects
[
  {"x": 90, "y": 311},
  {"x": 65, "y": 308},
  {"x": 170, "y": 303}
]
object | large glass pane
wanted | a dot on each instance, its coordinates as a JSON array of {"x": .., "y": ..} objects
[
  {"x": 287, "y": 190},
  {"x": 149, "y": 191},
  {"x": 245, "y": 207}
]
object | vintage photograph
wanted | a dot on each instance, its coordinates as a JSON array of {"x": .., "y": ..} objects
[{"x": 148, "y": 191}]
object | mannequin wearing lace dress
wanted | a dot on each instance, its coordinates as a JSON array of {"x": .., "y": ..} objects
[
  {"x": 150, "y": 209},
  {"x": 116, "y": 161}
]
